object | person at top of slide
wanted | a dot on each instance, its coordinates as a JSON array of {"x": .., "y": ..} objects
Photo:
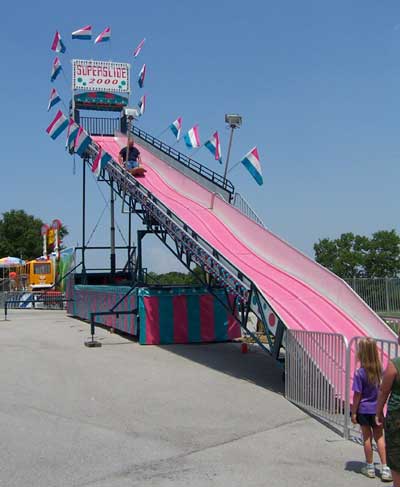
[{"x": 129, "y": 156}]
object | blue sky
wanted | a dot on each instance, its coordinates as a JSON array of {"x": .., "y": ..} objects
[{"x": 316, "y": 83}]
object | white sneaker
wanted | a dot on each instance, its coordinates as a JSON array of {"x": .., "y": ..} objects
[
  {"x": 386, "y": 475},
  {"x": 368, "y": 471}
]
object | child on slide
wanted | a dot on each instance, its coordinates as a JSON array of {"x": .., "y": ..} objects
[
  {"x": 366, "y": 383},
  {"x": 129, "y": 157}
]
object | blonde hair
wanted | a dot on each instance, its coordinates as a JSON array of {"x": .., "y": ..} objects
[{"x": 367, "y": 354}]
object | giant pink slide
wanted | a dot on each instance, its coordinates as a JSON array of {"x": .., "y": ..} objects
[{"x": 303, "y": 294}]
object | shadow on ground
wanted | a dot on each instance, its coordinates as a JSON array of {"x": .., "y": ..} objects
[{"x": 255, "y": 366}]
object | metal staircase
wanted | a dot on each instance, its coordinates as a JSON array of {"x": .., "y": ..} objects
[{"x": 191, "y": 249}]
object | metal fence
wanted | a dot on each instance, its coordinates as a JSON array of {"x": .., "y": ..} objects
[
  {"x": 244, "y": 207},
  {"x": 319, "y": 369},
  {"x": 101, "y": 126},
  {"x": 382, "y": 294},
  {"x": 29, "y": 299},
  {"x": 315, "y": 374}
]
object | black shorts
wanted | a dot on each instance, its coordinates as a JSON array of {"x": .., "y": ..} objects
[{"x": 366, "y": 420}]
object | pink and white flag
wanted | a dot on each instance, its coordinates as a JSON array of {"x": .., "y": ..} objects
[
  {"x": 214, "y": 146},
  {"x": 58, "y": 125},
  {"x": 100, "y": 162},
  {"x": 104, "y": 36},
  {"x": 54, "y": 99},
  {"x": 55, "y": 69},
  {"x": 84, "y": 34},
  {"x": 58, "y": 45},
  {"x": 176, "y": 127},
  {"x": 136, "y": 52},
  {"x": 192, "y": 138},
  {"x": 251, "y": 162}
]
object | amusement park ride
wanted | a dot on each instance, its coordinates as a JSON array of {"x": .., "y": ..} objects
[{"x": 190, "y": 209}]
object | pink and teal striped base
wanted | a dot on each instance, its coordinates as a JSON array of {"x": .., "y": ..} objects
[{"x": 173, "y": 315}]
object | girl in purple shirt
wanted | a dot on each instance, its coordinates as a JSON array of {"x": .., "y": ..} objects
[{"x": 366, "y": 383}]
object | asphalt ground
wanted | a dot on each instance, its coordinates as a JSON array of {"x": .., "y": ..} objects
[{"x": 130, "y": 415}]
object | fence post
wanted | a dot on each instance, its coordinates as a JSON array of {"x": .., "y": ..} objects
[
  {"x": 387, "y": 293},
  {"x": 347, "y": 391}
]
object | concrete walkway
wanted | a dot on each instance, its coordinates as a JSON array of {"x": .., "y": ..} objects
[{"x": 129, "y": 415}]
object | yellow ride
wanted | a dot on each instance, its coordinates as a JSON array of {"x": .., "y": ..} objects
[{"x": 40, "y": 274}]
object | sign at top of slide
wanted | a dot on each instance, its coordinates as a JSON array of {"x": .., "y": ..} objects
[{"x": 104, "y": 75}]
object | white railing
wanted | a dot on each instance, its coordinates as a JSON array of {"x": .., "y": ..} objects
[
  {"x": 319, "y": 370},
  {"x": 244, "y": 207}
]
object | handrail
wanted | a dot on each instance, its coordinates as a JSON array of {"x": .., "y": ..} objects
[
  {"x": 244, "y": 207},
  {"x": 185, "y": 160}
]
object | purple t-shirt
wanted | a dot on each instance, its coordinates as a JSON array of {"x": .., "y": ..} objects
[{"x": 369, "y": 392}]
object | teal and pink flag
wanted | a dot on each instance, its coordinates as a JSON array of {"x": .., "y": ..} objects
[
  {"x": 192, "y": 138},
  {"x": 82, "y": 142},
  {"x": 142, "y": 75},
  {"x": 142, "y": 105},
  {"x": 54, "y": 99},
  {"x": 214, "y": 146},
  {"x": 103, "y": 36},
  {"x": 58, "y": 45},
  {"x": 58, "y": 125},
  {"x": 176, "y": 127},
  {"x": 84, "y": 34},
  {"x": 55, "y": 69},
  {"x": 72, "y": 132},
  {"x": 100, "y": 162},
  {"x": 251, "y": 162}
]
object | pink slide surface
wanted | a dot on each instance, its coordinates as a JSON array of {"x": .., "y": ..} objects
[{"x": 302, "y": 293}]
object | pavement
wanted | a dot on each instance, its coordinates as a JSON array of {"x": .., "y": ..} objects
[{"x": 130, "y": 415}]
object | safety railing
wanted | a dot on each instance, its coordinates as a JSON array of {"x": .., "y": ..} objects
[
  {"x": 195, "y": 166},
  {"x": 101, "y": 126},
  {"x": 319, "y": 369},
  {"x": 315, "y": 374},
  {"x": 244, "y": 207},
  {"x": 382, "y": 294}
]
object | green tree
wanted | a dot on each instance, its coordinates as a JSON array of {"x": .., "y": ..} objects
[
  {"x": 20, "y": 235},
  {"x": 383, "y": 257},
  {"x": 359, "y": 256}
]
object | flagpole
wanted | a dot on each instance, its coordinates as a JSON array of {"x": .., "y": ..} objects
[
  {"x": 229, "y": 151},
  {"x": 234, "y": 121}
]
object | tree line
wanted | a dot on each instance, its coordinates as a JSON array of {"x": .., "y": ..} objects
[
  {"x": 353, "y": 255},
  {"x": 20, "y": 235}
]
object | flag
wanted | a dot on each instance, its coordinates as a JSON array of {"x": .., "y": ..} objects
[
  {"x": 104, "y": 36},
  {"x": 58, "y": 125},
  {"x": 142, "y": 75},
  {"x": 82, "y": 142},
  {"x": 192, "y": 138},
  {"x": 176, "y": 127},
  {"x": 72, "y": 132},
  {"x": 136, "y": 52},
  {"x": 54, "y": 99},
  {"x": 251, "y": 162},
  {"x": 142, "y": 105},
  {"x": 58, "y": 45},
  {"x": 100, "y": 162},
  {"x": 214, "y": 146},
  {"x": 56, "y": 69},
  {"x": 84, "y": 34}
]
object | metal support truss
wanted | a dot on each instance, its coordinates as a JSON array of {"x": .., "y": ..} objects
[{"x": 191, "y": 249}]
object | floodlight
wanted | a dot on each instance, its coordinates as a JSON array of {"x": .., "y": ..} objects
[{"x": 233, "y": 119}]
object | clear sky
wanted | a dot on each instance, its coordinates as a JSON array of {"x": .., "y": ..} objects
[{"x": 317, "y": 84}]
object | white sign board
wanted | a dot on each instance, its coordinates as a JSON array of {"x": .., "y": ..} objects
[{"x": 100, "y": 75}]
